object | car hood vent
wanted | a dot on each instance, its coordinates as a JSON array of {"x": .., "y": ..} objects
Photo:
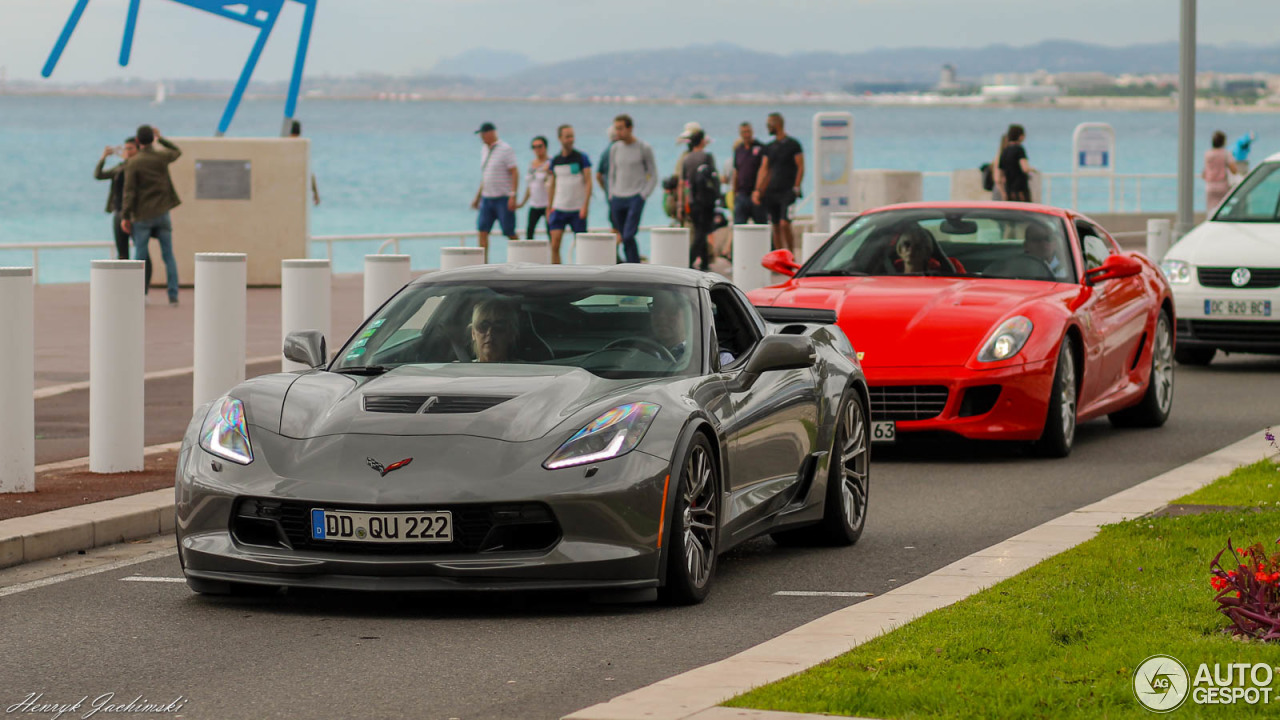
[{"x": 431, "y": 404}]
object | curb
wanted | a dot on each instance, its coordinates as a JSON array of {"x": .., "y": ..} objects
[{"x": 695, "y": 695}]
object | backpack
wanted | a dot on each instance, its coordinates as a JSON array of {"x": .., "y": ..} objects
[
  {"x": 988, "y": 177},
  {"x": 704, "y": 189}
]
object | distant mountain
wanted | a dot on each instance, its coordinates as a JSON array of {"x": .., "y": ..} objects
[{"x": 483, "y": 63}]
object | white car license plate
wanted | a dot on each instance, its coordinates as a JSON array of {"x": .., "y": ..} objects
[
  {"x": 1238, "y": 308},
  {"x": 395, "y": 527},
  {"x": 884, "y": 431}
]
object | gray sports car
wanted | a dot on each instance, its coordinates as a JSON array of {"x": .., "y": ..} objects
[{"x": 511, "y": 427}]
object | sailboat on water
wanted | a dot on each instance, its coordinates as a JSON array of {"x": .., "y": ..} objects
[{"x": 160, "y": 94}]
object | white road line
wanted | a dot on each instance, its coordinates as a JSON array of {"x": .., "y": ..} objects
[
  {"x": 144, "y": 578},
  {"x": 54, "y": 390},
  {"x": 43, "y": 582},
  {"x": 822, "y": 593}
]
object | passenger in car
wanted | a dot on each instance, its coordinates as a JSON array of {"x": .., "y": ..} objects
[
  {"x": 493, "y": 330},
  {"x": 1038, "y": 243},
  {"x": 667, "y": 318}
]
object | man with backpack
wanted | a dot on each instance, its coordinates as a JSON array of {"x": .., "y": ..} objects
[{"x": 699, "y": 195}]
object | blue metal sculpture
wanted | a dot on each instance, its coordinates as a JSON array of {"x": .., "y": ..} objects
[{"x": 260, "y": 14}]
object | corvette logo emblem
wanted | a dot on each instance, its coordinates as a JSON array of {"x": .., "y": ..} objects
[{"x": 381, "y": 470}]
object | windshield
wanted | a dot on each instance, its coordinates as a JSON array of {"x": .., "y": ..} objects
[
  {"x": 949, "y": 241},
  {"x": 614, "y": 331},
  {"x": 1257, "y": 199}
]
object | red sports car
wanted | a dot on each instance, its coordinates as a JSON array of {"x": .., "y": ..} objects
[{"x": 1007, "y": 321}]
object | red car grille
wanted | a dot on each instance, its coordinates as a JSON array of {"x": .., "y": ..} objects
[{"x": 907, "y": 402}]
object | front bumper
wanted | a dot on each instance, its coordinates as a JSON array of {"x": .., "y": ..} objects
[
  {"x": 1198, "y": 329},
  {"x": 1018, "y": 411},
  {"x": 605, "y": 526}
]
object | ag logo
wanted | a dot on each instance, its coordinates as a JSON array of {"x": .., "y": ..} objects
[{"x": 1160, "y": 683}]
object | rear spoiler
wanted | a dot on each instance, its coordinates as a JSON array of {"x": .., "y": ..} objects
[{"x": 797, "y": 315}]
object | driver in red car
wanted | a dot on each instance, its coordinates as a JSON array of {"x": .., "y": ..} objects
[
  {"x": 1038, "y": 243},
  {"x": 917, "y": 252}
]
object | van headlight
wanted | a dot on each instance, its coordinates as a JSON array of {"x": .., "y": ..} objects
[
  {"x": 1176, "y": 272},
  {"x": 610, "y": 435},
  {"x": 1007, "y": 340},
  {"x": 225, "y": 432}
]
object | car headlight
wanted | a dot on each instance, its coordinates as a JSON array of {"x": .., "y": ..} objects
[
  {"x": 1007, "y": 340},
  {"x": 1176, "y": 271},
  {"x": 225, "y": 432},
  {"x": 614, "y": 433}
]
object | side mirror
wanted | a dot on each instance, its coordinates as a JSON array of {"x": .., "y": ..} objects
[
  {"x": 782, "y": 352},
  {"x": 306, "y": 347},
  {"x": 1115, "y": 266},
  {"x": 781, "y": 262}
]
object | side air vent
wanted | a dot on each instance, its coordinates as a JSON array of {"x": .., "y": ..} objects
[
  {"x": 464, "y": 403},
  {"x": 431, "y": 404},
  {"x": 406, "y": 404}
]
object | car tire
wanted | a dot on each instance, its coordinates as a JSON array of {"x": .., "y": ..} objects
[
  {"x": 695, "y": 527},
  {"x": 1194, "y": 355},
  {"x": 1156, "y": 403},
  {"x": 1060, "y": 419},
  {"x": 848, "y": 483}
]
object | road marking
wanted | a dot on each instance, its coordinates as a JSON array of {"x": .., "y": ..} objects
[
  {"x": 822, "y": 593},
  {"x": 43, "y": 582},
  {"x": 55, "y": 390},
  {"x": 143, "y": 578}
]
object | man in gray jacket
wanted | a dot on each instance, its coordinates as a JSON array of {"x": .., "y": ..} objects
[{"x": 632, "y": 177}]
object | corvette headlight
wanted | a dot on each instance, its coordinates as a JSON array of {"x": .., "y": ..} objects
[
  {"x": 225, "y": 433},
  {"x": 614, "y": 433},
  {"x": 1007, "y": 340},
  {"x": 1176, "y": 271}
]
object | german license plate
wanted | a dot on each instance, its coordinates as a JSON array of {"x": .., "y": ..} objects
[
  {"x": 396, "y": 527},
  {"x": 1238, "y": 308},
  {"x": 884, "y": 431}
]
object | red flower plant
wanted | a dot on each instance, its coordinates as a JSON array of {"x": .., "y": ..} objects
[{"x": 1249, "y": 595}]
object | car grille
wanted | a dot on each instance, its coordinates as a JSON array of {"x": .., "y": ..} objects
[
  {"x": 477, "y": 528},
  {"x": 907, "y": 402},
  {"x": 1220, "y": 277},
  {"x": 443, "y": 404},
  {"x": 1241, "y": 331}
]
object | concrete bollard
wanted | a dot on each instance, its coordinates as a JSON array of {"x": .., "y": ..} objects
[
  {"x": 305, "y": 301},
  {"x": 17, "y": 381},
  {"x": 1159, "y": 238},
  {"x": 117, "y": 349},
  {"x": 383, "y": 276},
  {"x": 839, "y": 220},
  {"x": 219, "y": 325},
  {"x": 810, "y": 243},
  {"x": 537, "y": 252},
  {"x": 750, "y": 243},
  {"x": 452, "y": 258},
  {"x": 596, "y": 249},
  {"x": 669, "y": 246}
]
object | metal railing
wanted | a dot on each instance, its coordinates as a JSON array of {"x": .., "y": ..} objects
[
  {"x": 36, "y": 248},
  {"x": 1124, "y": 190}
]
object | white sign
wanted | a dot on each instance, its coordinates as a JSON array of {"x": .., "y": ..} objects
[
  {"x": 1093, "y": 149},
  {"x": 832, "y": 165}
]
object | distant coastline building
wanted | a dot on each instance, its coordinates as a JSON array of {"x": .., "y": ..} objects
[{"x": 1020, "y": 93}]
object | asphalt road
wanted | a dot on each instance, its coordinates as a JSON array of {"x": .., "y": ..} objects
[{"x": 419, "y": 656}]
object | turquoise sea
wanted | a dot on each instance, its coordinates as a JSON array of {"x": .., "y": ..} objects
[{"x": 388, "y": 167}]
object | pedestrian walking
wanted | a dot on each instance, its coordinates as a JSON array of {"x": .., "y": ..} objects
[
  {"x": 536, "y": 185},
  {"x": 499, "y": 181},
  {"x": 570, "y": 191},
  {"x": 699, "y": 193},
  {"x": 1217, "y": 163},
  {"x": 602, "y": 169},
  {"x": 295, "y": 131},
  {"x": 633, "y": 175},
  {"x": 1015, "y": 169},
  {"x": 147, "y": 198},
  {"x": 115, "y": 196},
  {"x": 748, "y": 156},
  {"x": 779, "y": 180},
  {"x": 996, "y": 185}
]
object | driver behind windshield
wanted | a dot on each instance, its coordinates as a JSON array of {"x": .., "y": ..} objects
[
  {"x": 493, "y": 330},
  {"x": 916, "y": 252},
  {"x": 1038, "y": 243}
]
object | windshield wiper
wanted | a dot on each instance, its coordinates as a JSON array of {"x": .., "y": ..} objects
[{"x": 364, "y": 370}]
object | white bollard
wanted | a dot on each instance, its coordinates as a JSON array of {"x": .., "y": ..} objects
[
  {"x": 305, "y": 301},
  {"x": 839, "y": 220},
  {"x": 750, "y": 243},
  {"x": 221, "y": 300},
  {"x": 384, "y": 275},
  {"x": 117, "y": 360},
  {"x": 1159, "y": 238},
  {"x": 529, "y": 251},
  {"x": 452, "y": 258},
  {"x": 596, "y": 249},
  {"x": 810, "y": 243},
  {"x": 669, "y": 246},
  {"x": 17, "y": 381}
]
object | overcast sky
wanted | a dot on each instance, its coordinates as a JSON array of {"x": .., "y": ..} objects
[{"x": 409, "y": 36}]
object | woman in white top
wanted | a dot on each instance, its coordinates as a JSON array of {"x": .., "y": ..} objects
[{"x": 536, "y": 185}]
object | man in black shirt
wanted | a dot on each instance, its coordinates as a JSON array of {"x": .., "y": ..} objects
[
  {"x": 748, "y": 155},
  {"x": 779, "y": 181},
  {"x": 1014, "y": 167}
]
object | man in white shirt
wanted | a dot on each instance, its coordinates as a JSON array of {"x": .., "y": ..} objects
[{"x": 500, "y": 178}]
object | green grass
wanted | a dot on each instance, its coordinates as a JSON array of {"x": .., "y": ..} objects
[
  {"x": 1062, "y": 639},
  {"x": 1256, "y": 485}
]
